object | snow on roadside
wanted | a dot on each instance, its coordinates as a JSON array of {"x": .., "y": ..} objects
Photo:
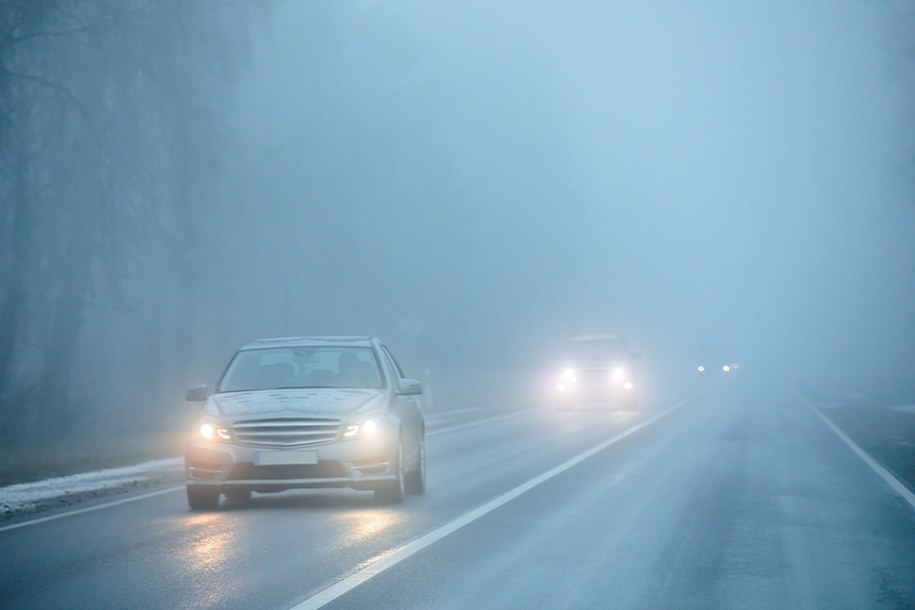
[{"x": 64, "y": 491}]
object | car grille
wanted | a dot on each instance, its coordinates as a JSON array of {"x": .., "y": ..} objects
[
  {"x": 595, "y": 378},
  {"x": 292, "y": 432}
]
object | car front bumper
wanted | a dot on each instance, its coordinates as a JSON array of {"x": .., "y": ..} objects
[{"x": 359, "y": 464}]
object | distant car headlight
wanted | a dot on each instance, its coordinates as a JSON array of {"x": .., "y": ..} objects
[
  {"x": 700, "y": 368},
  {"x": 567, "y": 379},
  {"x": 366, "y": 428},
  {"x": 211, "y": 431},
  {"x": 726, "y": 368}
]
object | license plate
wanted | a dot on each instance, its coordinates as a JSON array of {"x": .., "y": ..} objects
[{"x": 279, "y": 458}]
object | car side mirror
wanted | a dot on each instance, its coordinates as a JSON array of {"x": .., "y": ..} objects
[
  {"x": 409, "y": 387},
  {"x": 197, "y": 393}
]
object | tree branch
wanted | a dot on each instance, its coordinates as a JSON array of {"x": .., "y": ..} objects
[
  {"x": 71, "y": 97},
  {"x": 81, "y": 29}
]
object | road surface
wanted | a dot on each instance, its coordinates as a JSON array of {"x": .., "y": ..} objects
[{"x": 738, "y": 497}]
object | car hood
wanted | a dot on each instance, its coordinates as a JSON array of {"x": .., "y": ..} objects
[{"x": 296, "y": 402}]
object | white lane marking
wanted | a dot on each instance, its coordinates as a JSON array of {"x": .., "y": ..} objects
[
  {"x": 387, "y": 560},
  {"x": 448, "y": 415},
  {"x": 894, "y": 483},
  {"x": 89, "y": 509},
  {"x": 478, "y": 422}
]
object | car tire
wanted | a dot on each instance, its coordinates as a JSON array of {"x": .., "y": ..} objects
[
  {"x": 415, "y": 483},
  {"x": 201, "y": 498},
  {"x": 392, "y": 492}
]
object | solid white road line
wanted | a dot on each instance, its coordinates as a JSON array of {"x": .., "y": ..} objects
[
  {"x": 89, "y": 509},
  {"x": 447, "y": 415},
  {"x": 894, "y": 483},
  {"x": 478, "y": 422},
  {"x": 387, "y": 560}
]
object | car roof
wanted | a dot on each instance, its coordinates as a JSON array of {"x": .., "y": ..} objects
[{"x": 359, "y": 341}]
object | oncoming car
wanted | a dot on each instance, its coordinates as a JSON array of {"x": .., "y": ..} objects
[
  {"x": 305, "y": 412},
  {"x": 597, "y": 370},
  {"x": 715, "y": 360}
]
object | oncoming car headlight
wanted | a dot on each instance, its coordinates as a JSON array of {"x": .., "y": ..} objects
[
  {"x": 210, "y": 431},
  {"x": 366, "y": 428},
  {"x": 566, "y": 380}
]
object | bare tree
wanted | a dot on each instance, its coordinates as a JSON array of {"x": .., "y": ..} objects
[{"x": 110, "y": 127}]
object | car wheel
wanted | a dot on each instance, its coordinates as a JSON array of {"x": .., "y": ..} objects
[
  {"x": 201, "y": 498},
  {"x": 392, "y": 492},
  {"x": 416, "y": 478}
]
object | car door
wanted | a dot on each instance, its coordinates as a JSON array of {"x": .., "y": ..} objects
[{"x": 408, "y": 409}]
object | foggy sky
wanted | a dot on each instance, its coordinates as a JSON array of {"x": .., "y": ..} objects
[{"x": 480, "y": 180}]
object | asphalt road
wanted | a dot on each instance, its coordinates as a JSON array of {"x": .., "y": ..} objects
[{"x": 740, "y": 498}]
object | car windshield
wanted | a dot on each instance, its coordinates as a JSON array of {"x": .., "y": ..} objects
[
  {"x": 302, "y": 367},
  {"x": 714, "y": 353},
  {"x": 597, "y": 350}
]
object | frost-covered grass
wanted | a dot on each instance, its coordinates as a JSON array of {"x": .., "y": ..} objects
[
  {"x": 72, "y": 489},
  {"x": 37, "y": 477}
]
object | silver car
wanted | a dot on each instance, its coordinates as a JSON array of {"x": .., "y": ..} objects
[
  {"x": 597, "y": 370},
  {"x": 304, "y": 412}
]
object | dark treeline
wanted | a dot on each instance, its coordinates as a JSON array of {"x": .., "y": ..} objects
[{"x": 111, "y": 127}]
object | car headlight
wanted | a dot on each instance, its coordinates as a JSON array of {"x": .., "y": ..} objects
[
  {"x": 619, "y": 374},
  {"x": 366, "y": 428},
  {"x": 726, "y": 368},
  {"x": 211, "y": 431},
  {"x": 567, "y": 379},
  {"x": 700, "y": 368}
]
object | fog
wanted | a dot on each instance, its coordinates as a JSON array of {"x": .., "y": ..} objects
[
  {"x": 521, "y": 173},
  {"x": 472, "y": 182}
]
